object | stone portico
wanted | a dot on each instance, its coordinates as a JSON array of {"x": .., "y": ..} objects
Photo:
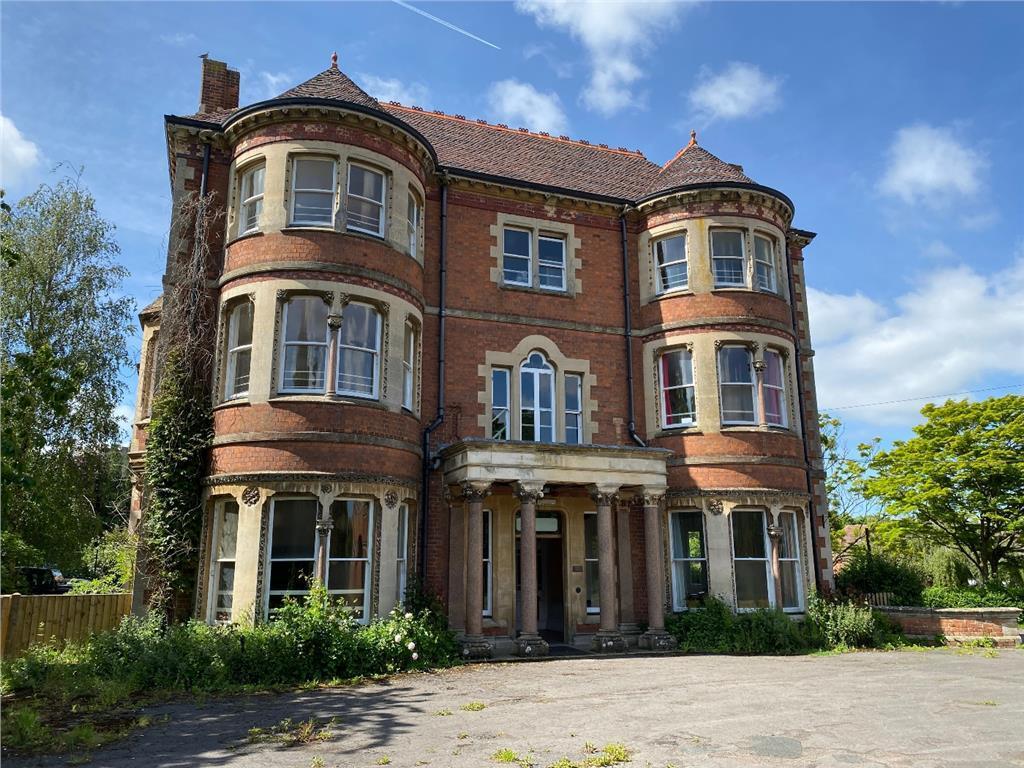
[{"x": 514, "y": 477}]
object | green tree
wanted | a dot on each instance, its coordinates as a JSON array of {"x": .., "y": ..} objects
[
  {"x": 960, "y": 480},
  {"x": 64, "y": 329},
  {"x": 845, "y": 472}
]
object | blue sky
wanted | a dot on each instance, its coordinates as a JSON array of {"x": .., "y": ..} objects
[{"x": 895, "y": 128}]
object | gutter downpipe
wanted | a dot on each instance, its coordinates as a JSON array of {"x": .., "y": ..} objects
[
  {"x": 803, "y": 423},
  {"x": 628, "y": 333},
  {"x": 421, "y": 550}
]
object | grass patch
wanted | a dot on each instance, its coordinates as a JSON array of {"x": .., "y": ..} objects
[
  {"x": 443, "y": 713},
  {"x": 291, "y": 734},
  {"x": 383, "y": 760},
  {"x": 609, "y": 755},
  {"x": 505, "y": 755},
  {"x": 473, "y": 706}
]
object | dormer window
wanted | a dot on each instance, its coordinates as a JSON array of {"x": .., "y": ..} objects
[
  {"x": 365, "y": 201},
  {"x": 313, "y": 191}
]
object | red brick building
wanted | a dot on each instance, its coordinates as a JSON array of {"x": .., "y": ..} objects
[{"x": 568, "y": 387}]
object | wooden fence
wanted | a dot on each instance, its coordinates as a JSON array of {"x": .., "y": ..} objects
[{"x": 26, "y": 620}]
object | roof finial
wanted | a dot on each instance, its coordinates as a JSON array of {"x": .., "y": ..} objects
[
  {"x": 693, "y": 139},
  {"x": 334, "y": 60}
]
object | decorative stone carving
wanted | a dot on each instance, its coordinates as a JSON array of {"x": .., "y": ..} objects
[
  {"x": 651, "y": 498},
  {"x": 529, "y": 492},
  {"x": 325, "y": 487},
  {"x": 604, "y": 497},
  {"x": 760, "y": 366},
  {"x": 391, "y": 499},
  {"x": 251, "y": 496},
  {"x": 334, "y": 321},
  {"x": 775, "y": 531},
  {"x": 475, "y": 491},
  {"x": 715, "y": 506}
]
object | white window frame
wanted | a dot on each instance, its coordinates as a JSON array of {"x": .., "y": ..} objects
[
  {"x": 591, "y": 610},
  {"x": 773, "y": 286},
  {"x": 664, "y": 389},
  {"x": 722, "y": 384},
  {"x": 375, "y": 351},
  {"x": 794, "y": 559},
  {"x": 780, "y": 388},
  {"x": 270, "y": 559},
  {"x": 679, "y": 590},
  {"x": 537, "y": 374},
  {"x": 413, "y": 222},
  {"x": 529, "y": 257},
  {"x": 660, "y": 266},
  {"x": 488, "y": 561},
  {"x": 576, "y": 413},
  {"x": 380, "y": 231},
  {"x": 507, "y": 408},
  {"x": 246, "y": 175},
  {"x": 742, "y": 257},
  {"x": 769, "y": 580},
  {"x": 285, "y": 344},
  {"x": 233, "y": 350},
  {"x": 368, "y": 560},
  {"x": 215, "y": 561},
  {"x": 560, "y": 288},
  {"x": 409, "y": 366},
  {"x": 332, "y": 191},
  {"x": 402, "y": 554}
]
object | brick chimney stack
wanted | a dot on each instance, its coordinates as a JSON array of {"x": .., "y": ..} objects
[{"x": 219, "y": 87}]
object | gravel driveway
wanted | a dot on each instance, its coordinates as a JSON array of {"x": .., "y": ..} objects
[{"x": 920, "y": 709}]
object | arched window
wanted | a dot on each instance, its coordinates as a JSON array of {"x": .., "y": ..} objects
[
  {"x": 537, "y": 399},
  {"x": 359, "y": 351}
]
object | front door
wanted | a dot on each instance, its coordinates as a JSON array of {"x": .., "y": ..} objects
[{"x": 550, "y": 578}]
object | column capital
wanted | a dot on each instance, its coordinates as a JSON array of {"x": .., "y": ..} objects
[
  {"x": 774, "y": 532},
  {"x": 334, "y": 321},
  {"x": 475, "y": 490},
  {"x": 528, "y": 492},
  {"x": 651, "y": 497},
  {"x": 604, "y": 494}
]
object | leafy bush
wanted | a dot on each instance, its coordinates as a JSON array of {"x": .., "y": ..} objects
[
  {"x": 879, "y": 572},
  {"x": 315, "y": 640},
  {"x": 836, "y": 624},
  {"x": 972, "y": 597}
]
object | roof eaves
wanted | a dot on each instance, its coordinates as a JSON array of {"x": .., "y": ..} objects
[
  {"x": 508, "y": 181},
  {"x": 718, "y": 185}
]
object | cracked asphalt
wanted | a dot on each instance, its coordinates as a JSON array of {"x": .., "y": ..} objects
[{"x": 920, "y": 709}]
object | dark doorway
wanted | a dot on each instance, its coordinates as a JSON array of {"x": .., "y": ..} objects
[{"x": 550, "y": 578}]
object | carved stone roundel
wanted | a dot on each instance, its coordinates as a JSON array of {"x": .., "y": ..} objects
[
  {"x": 391, "y": 499},
  {"x": 251, "y": 496}
]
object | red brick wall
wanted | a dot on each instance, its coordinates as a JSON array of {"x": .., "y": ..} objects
[{"x": 957, "y": 624}]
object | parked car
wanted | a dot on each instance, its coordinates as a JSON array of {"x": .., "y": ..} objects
[{"x": 44, "y": 581}]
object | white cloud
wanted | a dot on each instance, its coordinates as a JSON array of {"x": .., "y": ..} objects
[
  {"x": 562, "y": 69},
  {"x": 275, "y": 83},
  {"x": 179, "y": 39},
  {"x": 613, "y": 33},
  {"x": 928, "y": 165},
  {"x": 957, "y": 330},
  {"x": 741, "y": 90},
  {"x": 520, "y": 104},
  {"x": 392, "y": 89},
  {"x": 979, "y": 221},
  {"x": 18, "y": 155}
]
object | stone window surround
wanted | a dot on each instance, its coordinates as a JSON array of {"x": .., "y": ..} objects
[
  {"x": 697, "y": 231},
  {"x": 264, "y": 371},
  {"x": 561, "y": 364},
  {"x": 716, "y": 513},
  {"x": 252, "y": 548},
  {"x": 704, "y": 349},
  {"x": 226, "y": 308},
  {"x": 276, "y": 213},
  {"x": 147, "y": 374},
  {"x": 537, "y": 228},
  {"x": 670, "y": 581},
  {"x": 772, "y": 518}
]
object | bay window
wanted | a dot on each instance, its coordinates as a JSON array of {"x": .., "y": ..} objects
[
  {"x": 774, "y": 389},
  {"x": 764, "y": 264},
  {"x": 313, "y": 191},
  {"x": 689, "y": 560},
  {"x": 727, "y": 261},
  {"x": 678, "y": 401},
  {"x": 222, "y": 571},
  {"x": 537, "y": 396},
  {"x": 365, "y": 200},
  {"x": 670, "y": 261},
  {"x": 359, "y": 351},
  {"x": 305, "y": 345},
  {"x": 738, "y": 389},
  {"x": 239, "y": 350},
  {"x": 789, "y": 562},
  {"x": 751, "y": 560},
  {"x": 293, "y": 549},
  {"x": 349, "y": 544},
  {"x": 251, "y": 198},
  {"x": 573, "y": 408}
]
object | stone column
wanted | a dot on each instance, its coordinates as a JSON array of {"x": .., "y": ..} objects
[
  {"x": 774, "y": 535},
  {"x": 334, "y": 326},
  {"x": 759, "y": 367},
  {"x": 529, "y": 642},
  {"x": 624, "y": 549},
  {"x": 324, "y": 525},
  {"x": 655, "y": 638},
  {"x": 474, "y": 645},
  {"x": 608, "y": 638}
]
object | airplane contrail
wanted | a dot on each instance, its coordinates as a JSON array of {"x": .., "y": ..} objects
[{"x": 444, "y": 23}]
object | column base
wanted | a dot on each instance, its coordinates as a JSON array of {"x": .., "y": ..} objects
[
  {"x": 609, "y": 641},
  {"x": 657, "y": 640},
  {"x": 475, "y": 647},
  {"x": 531, "y": 646}
]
